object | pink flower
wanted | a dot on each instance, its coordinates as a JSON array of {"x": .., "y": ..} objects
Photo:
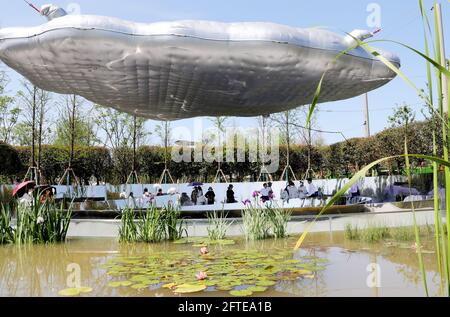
[
  {"x": 255, "y": 194},
  {"x": 201, "y": 276},
  {"x": 204, "y": 251}
]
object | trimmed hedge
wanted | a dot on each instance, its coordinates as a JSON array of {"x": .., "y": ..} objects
[{"x": 338, "y": 160}]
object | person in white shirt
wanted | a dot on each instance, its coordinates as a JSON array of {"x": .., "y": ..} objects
[
  {"x": 312, "y": 190},
  {"x": 265, "y": 193},
  {"x": 355, "y": 191}
]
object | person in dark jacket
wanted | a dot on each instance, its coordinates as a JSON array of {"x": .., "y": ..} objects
[
  {"x": 210, "y": 196},
  {"x": 230, "y": 195}
]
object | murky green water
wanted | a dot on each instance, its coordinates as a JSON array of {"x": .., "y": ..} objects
[{"x": 348, "y": 271}]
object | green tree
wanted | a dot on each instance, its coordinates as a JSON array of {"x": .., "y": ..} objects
[
  {"x": 118, "y": 128},
  {"x": 71, "y": 114},
  {"x": 9, "y": 113}
]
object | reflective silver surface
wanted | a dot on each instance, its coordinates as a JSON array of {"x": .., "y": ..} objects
[{"x": 184, "y": 69}]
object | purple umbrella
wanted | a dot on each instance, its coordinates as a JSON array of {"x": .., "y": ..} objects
[{"x": 194, "y": 184}]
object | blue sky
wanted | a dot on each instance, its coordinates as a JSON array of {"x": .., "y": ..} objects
[{"x": 400, "y": 21}]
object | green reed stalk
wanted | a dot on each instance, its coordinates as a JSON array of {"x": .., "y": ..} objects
[
  {"x": 218, "y": 225},
  {"x": 416, "y": 228}
]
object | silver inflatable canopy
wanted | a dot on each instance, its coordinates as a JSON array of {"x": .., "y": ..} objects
[{"x": 184, "y": 69}]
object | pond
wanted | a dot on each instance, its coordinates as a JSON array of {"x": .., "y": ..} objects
[{"x": 327, "y": 265}]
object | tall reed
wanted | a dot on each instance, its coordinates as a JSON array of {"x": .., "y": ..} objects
[
  {"x": 38, "y": 223},
  {"x": 218, "y": 225},
  {"x": 256, "y": 223},
  {"x": 279, "y": 220},
  {"x": 434, "y": 101},
  {"x": 152, "y": 225}
]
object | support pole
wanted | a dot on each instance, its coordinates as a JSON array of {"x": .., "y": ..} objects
[
  {"x": 443, "y": 61},
  {"x": 366, "y": 116},
  {"x": 264, "y": 173},
  {"x": 166, "y": 172}
]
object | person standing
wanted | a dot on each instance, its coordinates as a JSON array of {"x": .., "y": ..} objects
[
  {"x": 230, "y": 195},
  {"x": 210, "y": 196},
  {"x": 194, "y": 196}
]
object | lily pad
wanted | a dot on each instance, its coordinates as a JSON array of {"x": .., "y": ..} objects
[
  {"x": 241, "y": 293},
  {"x": 257, "y": 289},
  {"x": 69, "y": 292},
  {"x": 189, "y": 288},
  {"x": 85, "y": 289}
]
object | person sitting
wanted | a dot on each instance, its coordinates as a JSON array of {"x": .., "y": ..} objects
[
  {"x": 185, "y": 201},
  {"x": 230, "y": 195},
  {"x": 311, "y": 189},
  {"x": 271, "y": 194},
  {"x": 27, "y": 199},
  {"x": 302, "y": 191},
  {"x": 147, "y": 197},
  {"x": 210, "y": 196},
  {"x": 146, "y": 193},
  {"x": 285, "y": 195},
  {"x": 265, "y": 193},
  {"x": 201, "y": 200},
  {"x": 293, "y": 191},
  {"x": 131, "y": 202},
  {"x": 355, "y": 191},
  {"x": 160, "y": 192}
]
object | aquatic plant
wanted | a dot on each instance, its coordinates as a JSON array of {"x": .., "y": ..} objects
[
  {"x": 41, "y": 223},
  {"x": 151, "y": 226},
  {"x": 373, "y": 233},
  {"x": 434, "y": 102},
  {"x": 38, "y": 223},
  {"x": 218, "y": 225},
  {"x": 128, "y": 231},
  {"x": 175, "y": 226},
  {"x": 6, "y": 230},
  {"x": 256, "y": 223},
  {"x": 241, "y": 273},
  {"x": 352, "y": 232},
  {"x": 279, "y": 220}
]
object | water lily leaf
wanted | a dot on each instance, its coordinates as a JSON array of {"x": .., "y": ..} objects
[
  {"x": 189, "y": 288},
  {"x": 114, "y": 284},
  {"x": 169, "y": 285},
  {"x": 241, "y": 293},
  {"x": 85, "y": 289},
  {"x": 69, "y": 292},
  {"x": 139, "y": 278}
]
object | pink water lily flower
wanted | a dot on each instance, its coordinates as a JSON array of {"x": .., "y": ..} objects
[
  {"x": 201, "y": 276},
  {"x": 204, "y": 251}
]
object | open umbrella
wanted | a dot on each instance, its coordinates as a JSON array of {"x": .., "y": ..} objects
[
  {"x": 196, "y": 184},
  {"x": 22, "y": 187}
]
